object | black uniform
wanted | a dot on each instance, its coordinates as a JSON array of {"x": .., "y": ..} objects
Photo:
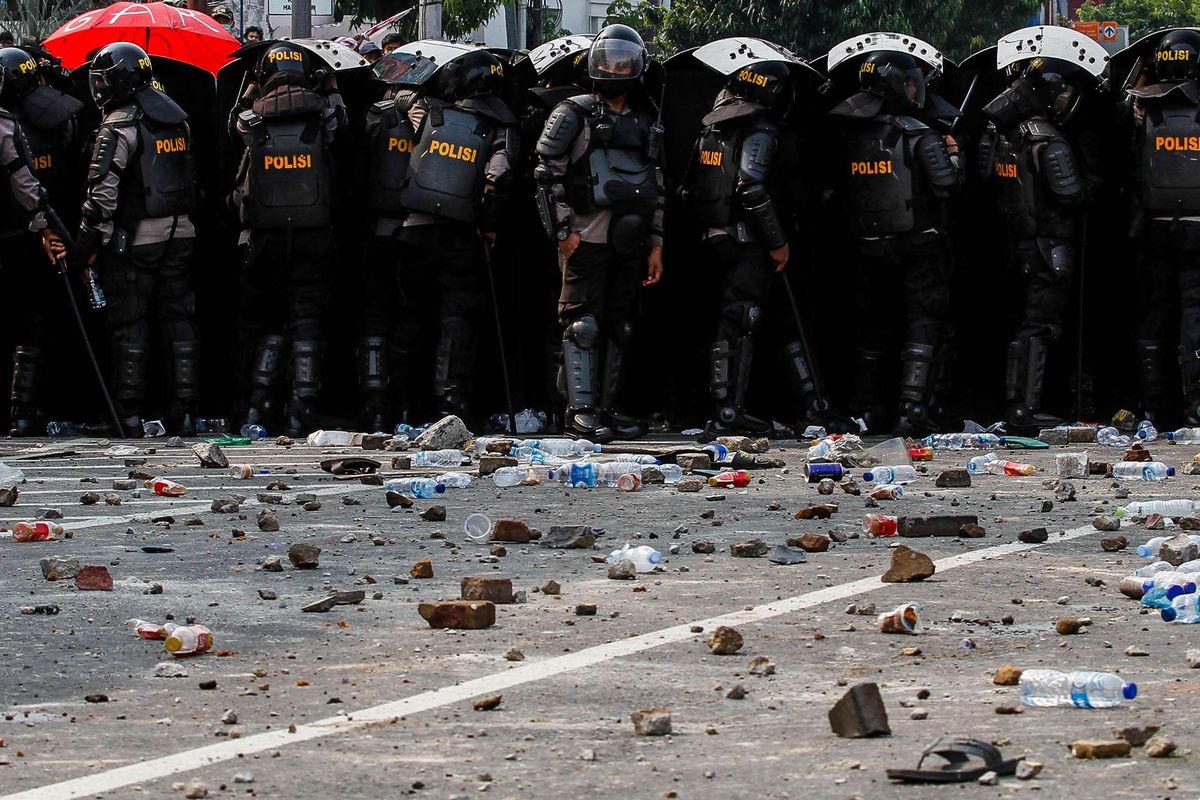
[
  {"x": 140, "y": 194},
  {"x": 898, "y": 172},
  {"x": 46, "y": 118},
  {"x": 284, "y": 199}
]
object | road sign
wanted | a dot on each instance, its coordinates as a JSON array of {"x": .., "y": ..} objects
[
  {"x": 283, "y": 8},
  {"x": 1088, "y": 29},
  {"x": 1108, "y": 31}
]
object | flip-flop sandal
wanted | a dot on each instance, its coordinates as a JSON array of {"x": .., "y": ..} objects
[
  {"x": 961, "y": 756},
  {"x": 351, "y": 465}
]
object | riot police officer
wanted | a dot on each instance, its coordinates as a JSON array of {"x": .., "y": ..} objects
[
  {"x": 898, "y": 173},
  {"x": 736, "y": 187},
  {"x": 1166, "y": 110},
  {"x": 459, "y": 175},
  {"x": 135, "y": 221},
  {"x": 601, "y": 197},
  {"x": 283, "y": 197},
  {"x": 389, "y": 324},
  {"x": 1040, "y": 191},
  {"x": 46, "y": 117}
]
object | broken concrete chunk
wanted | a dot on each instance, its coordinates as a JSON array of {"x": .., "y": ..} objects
[
  {"x": 652, "y": 722},
  {"x": 860, "y": 713},
  {"x": 953, "y": 479},
  {"x": 908, "y": 565},
  {"x": 210, "y": 455},
  {"x": 304, "y": 556},
  {"x": 447, "y": 433},
  {"x": 459, "y": 614},
  {"x": 725, "y": 641},
  {"x": 495, "y": 590},
  {"x": 751, "y": 548},
  {"x": 568, "y": 537}
]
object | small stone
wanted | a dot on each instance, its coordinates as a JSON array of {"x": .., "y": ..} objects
[
  {"x": 689, "y": 462},
  {"x": 1136, "y": 735},
  {"x": 1114, "y": 544},
  {"x": 434, "y": 514},
  {"x": 304, "y": 556},
  {"x": 703, "y": 547},
  {"x": 751, "y": 548},
  {"x": 513, "y": 654},
  {"x": 58, "y": 567},
  {"x": 349, "y": 538},
  {"x": 175, "y": 441},
  {"x": 568, "y": 537},
  {"x": 972, "y": 530},
  {"x": 8, "y": 496},
  {"x": 243, "y": 777},
  {"x": 1064, "y": 491},
  {"x": 1160, "y": 747},
  {"x": 489, "y": 703},
  {"x": 910, "y": 651},
  {"x": 859, "y": 713},
  {"x": 919, "y": 714},
  {"x": 422, "y": 569},
  {"x": 226, "y": 505},
  {"x": 908, "y": 565},
  {"x": 1106, "y": 523},
  {"x": 95, "y": 698},
  {"x": 1133, "y": 651},
  {"x": 87, "y": 498},
  {"x": 208, "y": 685},
  {"x": 395, "y": 499},
  {"x": 511, "y": 530},
  {"x": 459, "y": 614},
  {"x": 267, "y": 521},
  {"x": 210, "y": 455},
  {"x": 817, "y": 511},
  {"x": 1008, "y": 675},
  {"x": 953, "y": 479},
  {"x": 336, "y": 599},
  {"x": 271, "y": 564},
  {"x": 498, "y": 551},
  {"x": 1100, "y": 748},
  {"x": 93, "y": 578},
  {"x": 123, "y": 485},
  {"x": 810, "y": 542},
  {"x": 989, "y": 778},
  {"x": 1193, "y": 658},
  {"x": 1047, "y": 506},
  {"x": 1009, "y": 710},
  {"x": 1028, "y": 770},
  {"x": 1034, "y": 536},
  {"x": 230, "y": 717},
  {"x": 725, "y": 641},
  {"x": 787, "y": 556},
  {"x": 689, "y": 485},
  {"x": 312, "y": 505},
  {"x": 169, "y": 669},
  {"x": 1178, "y": 549},
  {"x": 826, "y": 486},
  {"x": 738, "y": 692},
  {"x": 551, "y": 587},
  {"x": 1069, "y": 626},
  {"x": 267, "y": 594},
  {"x": 652, "y": 722},
  {"x": 622, "y": 570},
  {"x": 864, "y": 609},
  {"x": 195, "y": 790}
]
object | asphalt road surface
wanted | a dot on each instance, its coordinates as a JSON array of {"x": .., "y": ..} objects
[{"x": 367, "y": 701}]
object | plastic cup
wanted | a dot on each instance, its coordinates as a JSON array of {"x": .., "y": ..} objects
[
  {"x": 904, "y": 618},
  {"x": 477, "y": 527}
]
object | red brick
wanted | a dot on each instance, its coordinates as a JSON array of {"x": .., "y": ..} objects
[
  {"x": 495, "y": 590},
  {"x": 460, "y": 614},
  {"x": 511, "y": 530}
]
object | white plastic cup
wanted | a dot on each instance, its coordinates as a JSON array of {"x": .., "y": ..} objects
[{"x": 478, "y": 527}]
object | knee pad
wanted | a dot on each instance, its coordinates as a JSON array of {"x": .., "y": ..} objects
[
  {"x": 583, "y": 332},
  {"x": 742, "y": 317}
]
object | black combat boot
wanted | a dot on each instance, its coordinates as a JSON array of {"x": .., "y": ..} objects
[
  {"x": 622, "y": 425},
  {"x": 1023, "y": 386},
  {"x": 25, "y": 417},
  {"x": 1154, "y": 381},
  {"x": 129, "y": 387},
  {"x": 868, "y": 403},
  {"x": 916, "y": 366},
  {"x": 728, "y": 379},
  {"x": 373, "y": 374},
  {"x": 815, "y": 408},
  {"x": 185, "y": 369},
  {"x": 264, "y": 374},
  {"x": 306, "y": 385}
]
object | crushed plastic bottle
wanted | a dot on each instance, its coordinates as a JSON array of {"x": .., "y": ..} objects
[
  {"x": 1141, "y": 471},
  {"x": 962, "y": 441},
  {"x": 10, "y": 476},
  {"x": 718, "y": 452},
  {"x": 885, "y": 474},
  {"x": 1167, "y": 508},
  {"x": 153, "y": 631},
  {"x": 629, "y": 482},
  {"x": 532, "y": 455},
  {"x": 165, "y": 488},
  {"x": 153, "y": 428},
  {"x": 330, "y": 438},
  {"x": 437, "y": 458},
  {"x": 1150, "y": 570},
  {"x": 1112, "y": 437},
  {"x": 36, "y": 531},
  {"x": 1000, "y": 467},
  {"x": 887, "y": 491},
  {"x": 978, "y": 464},
  {"x": 1048, "y": 687},
  {"x": 243, "y": 472},
  {"x": 879, "y": 525},
  {"x": 1184, "y": 608},
  {"x": 644, "y": 558},
  {"x": 58, "y": 428},
  {"x": 738, "y": 479},
  {"x": 454, "y": 480},
  {"x": 421, "y": 488},
  {"x": 1184, "y": 436},
  {"x": 1151, "y": 548},
  {"x": 564, "y": 448},
  {"x": 188, "y": 640},
  {"x": 672, "y": 473},
  {"x": 253, "y": 432},
  {"x": 1146, "y": 431},
  {"x": 1171, "y": 583},
  {"x": 506, "y": 477}
]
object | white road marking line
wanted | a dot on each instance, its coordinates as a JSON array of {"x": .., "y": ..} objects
[{"x": 158, "y": 768}]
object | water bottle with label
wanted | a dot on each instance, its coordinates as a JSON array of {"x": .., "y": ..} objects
[
  {"x": 1049, "y": 687},
  {"x": 421, "y": 488},
  {"x": 1142, "y": 471},
  {"x": 1184, "y": 436},
  {"x": 902, "y": 473},
  {"x": 437, "y": 458}
]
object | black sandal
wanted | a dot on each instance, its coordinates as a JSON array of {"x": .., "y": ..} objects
[{"x": 959, "y": 753}]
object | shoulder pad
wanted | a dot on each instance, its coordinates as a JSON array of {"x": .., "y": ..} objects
[
  {"x": 561, "y": 129},
  {"x": 585, "y": 102},
  {"x": 738, "y": 109},
  {"x": 758, "y": 155},
  {"x": 123, "y": 116},
  {"x": 939, "y": 168},
  {"x": 47, "y": 108},
  {"x": 1040, "y": 130},
  {"x": 863, "y": 105},
  {"x": 549, "y": 98},
  {"x": 159, "y": 107},
  {"x": 909, "y": 124}
]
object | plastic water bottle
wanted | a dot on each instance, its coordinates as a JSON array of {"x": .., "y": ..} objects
[
  {"x": 644, "y": 558},
  {"x": 646, "y": 460},
  {"x": 1142, "y": 471},
  {"x": 421, "y": 488},
  {"x": 962, "y": 441},
  {"x": 820, "y": 449},
  {"x": 437, "y": 458},
  {"x": 165, "y": 488},
  {"x": 1000, "y": 467},
  {"x": 1146, "y": 431},
  {"x": 1150, "y": 570},
  {"x": 1049, "y": 687},
  {"x": 482, "y": 442},
  {"x": 507, "y": 477},
  {"x": 1150, "y": 548},
  {"x": 1168, "y": 508},
  {"x": 252, "y": 431},
  {"x": 887, "y": 491},
  {"x": 1181, "y": 582},
  {"x": 672, "y": 473},
  {"x": 902, "y": 473},
  {"x": 609, "y": 472},
  {"x": 61, "y": 428},
  {"x": 454, "y": 480},
  {"x": 189, "y": 640},
  {"x": 1184, "y": 436},
  {"x": 718, "y": 452},
  {"x": 1190, "y": 567},
  {"x": 564, "y": 448},
  {"x": 212, "y": 425},
  {"x": 36, "y": 531},
  {"x": 579, "y": 474},
  {"x": 1112, "y": 437},
  {"x": 978, "y": 464},
  {"x": 1184, "y": 608},
  {"x": 533, "y": 455}
]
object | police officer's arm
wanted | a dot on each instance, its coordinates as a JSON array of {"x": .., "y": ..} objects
[
  {"x": 553, "y": 162},
  {"x": 943, "y": 170},
  {"x": 1061, "y": 170},
  {"x": 757, "y": 158},
  {"x": 985, "y": 159},
  {"x": 23, "y": 184},
  {"x": 110, "y": 155},
  {"x": 498, "y": 177}
]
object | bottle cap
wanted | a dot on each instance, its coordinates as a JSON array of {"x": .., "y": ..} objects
[
  {"x": 596, "y": 448},
  {"x": 1170, "y": 472},
  {"x": 1141, "y": 434},
  {"x": 1171, "y": 436},
  {"x": 1129, "y": 690},
  {"x": 439, "y": 488},
  {"x": 1168, "y": 614},
  {"x": 1120, "y": 512},
  {"x": 868, "y": 476}
]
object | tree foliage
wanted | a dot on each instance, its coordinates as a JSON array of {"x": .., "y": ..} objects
[
  {"x": 811, "y": 27},
  {"x": 1144, "y": 16}
]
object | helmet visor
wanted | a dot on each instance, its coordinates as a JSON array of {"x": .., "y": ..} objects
[
  {"x": 906, "y": 84},
  {"x": 614, "y": 59}
]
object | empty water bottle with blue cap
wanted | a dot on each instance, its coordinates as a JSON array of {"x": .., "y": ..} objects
[
  {"x": 902, "y": 473},
  {"x": 437, "y": 458},
  {"x": 1141, "y": 471},
  {"x": 1184, "y": 436},
  {"x": 420, "y": 488},
  {"x": 1049, "y": 687},
  {"x": 252, "y": 431},
  {"x": 563, "y": 448},
  {"x": 1183, "y": 608},
  {"x": 644, "y": 558},
  {"x": 1146, "y": 431},
  {"x": 454, "y": 480}
]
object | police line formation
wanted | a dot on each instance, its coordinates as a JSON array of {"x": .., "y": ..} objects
[{"x": 444, "y": 153}]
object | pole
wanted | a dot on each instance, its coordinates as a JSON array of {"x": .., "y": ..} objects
[
  {"x": 429, "y": 23},
  {"x": 87, "y": 345},
  {"x": 508, "y": 397},
  {"x": 536, "y": 26},
  {"x": 301, "y": 19},
  {"x": 1079, "y": 323}
]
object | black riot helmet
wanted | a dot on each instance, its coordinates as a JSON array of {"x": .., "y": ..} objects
[
  {"x": 1049, "y": 86},
  {"x": 896, "y": 77},
  {"x": 283, "y": 62},
  {"x": 119, "y": 70},
  {"x": 768, "y": 83},
  {"x": 18, "y": 74},
  {"x": 569, "y": 71},
  {"x": 1177, "y": 58},
  {"x": 470, "y": 75},
  {"x": 616, "y": 60}
]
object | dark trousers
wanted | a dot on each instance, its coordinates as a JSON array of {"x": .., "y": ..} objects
[
  {"x": 597, "y": 281},
  {"x": 34, "y": 283},
  {"x": 150, "y": 285},
  {"x": 285, "y": 283},
  {"x": 1169, "y": 263},
  {"x": 1047, "y": 289},
  {"x": 915, "y": 270}
]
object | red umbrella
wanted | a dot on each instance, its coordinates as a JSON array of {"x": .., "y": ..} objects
[{"x": 192, "y": 37}]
